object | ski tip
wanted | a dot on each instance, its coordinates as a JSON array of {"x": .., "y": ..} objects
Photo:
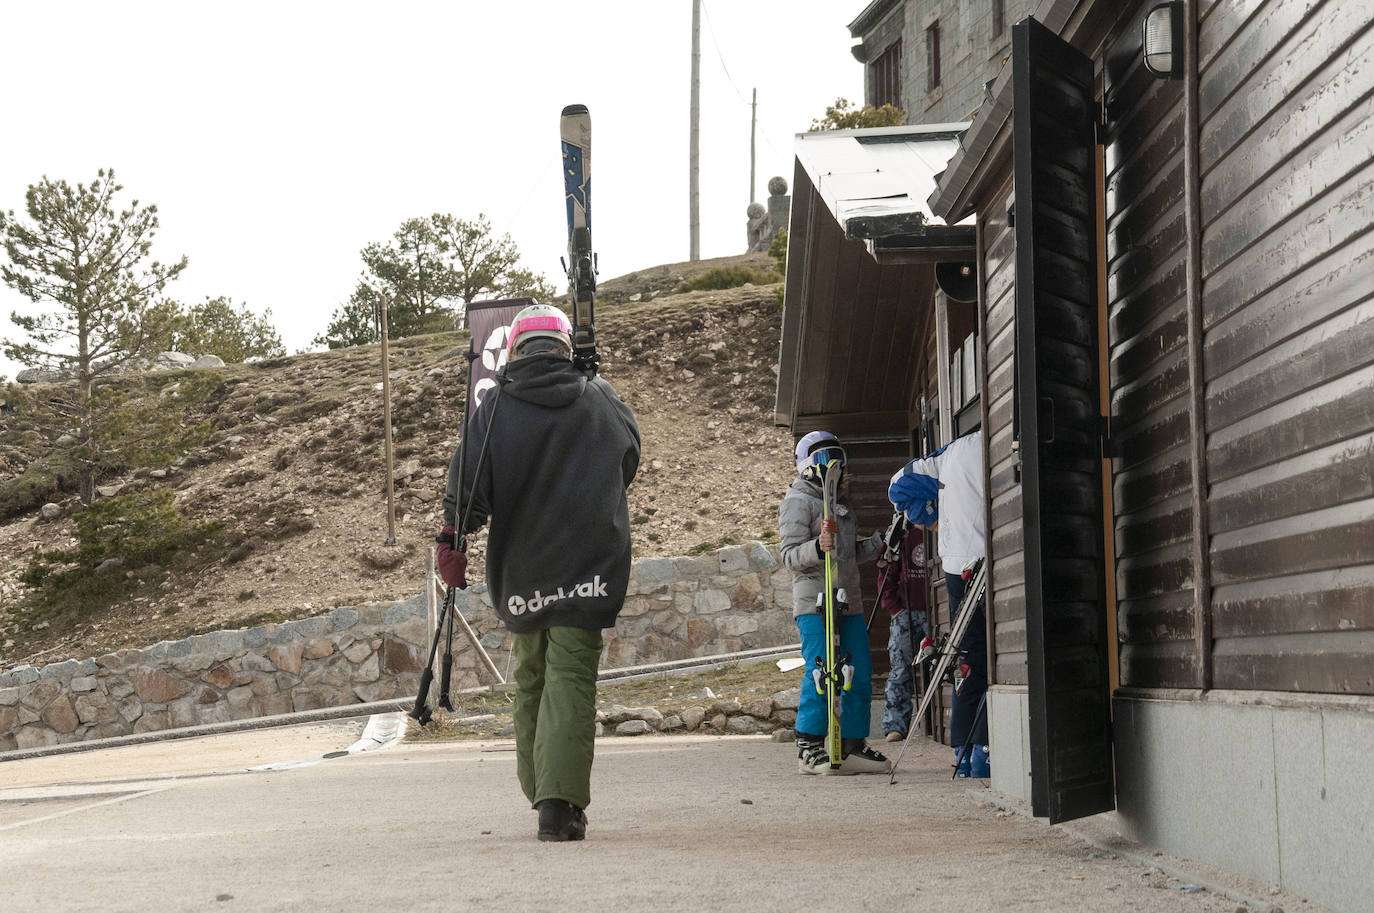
[{"x": 574, "y": 109}]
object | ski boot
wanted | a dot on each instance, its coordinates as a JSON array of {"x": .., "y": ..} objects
[
  {"x": 860, "y": 759},
  {"x": 812, "y": 758}
]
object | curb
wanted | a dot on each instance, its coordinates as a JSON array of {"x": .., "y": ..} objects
[{"x": 190, "y": 732}]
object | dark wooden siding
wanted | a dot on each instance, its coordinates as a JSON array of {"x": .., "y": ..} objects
[
  {"x": 1287, "y": 164},
  {"x": 849, "y": 328},
  {"x": 1148, "y": 370},
  {"x": 1005, "y": 531}
]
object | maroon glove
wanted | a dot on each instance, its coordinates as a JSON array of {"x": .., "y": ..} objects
[{"x": 452, "y": 562}]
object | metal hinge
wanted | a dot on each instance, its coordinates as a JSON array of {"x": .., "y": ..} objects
[
  {"x": 1100, "y": 129},
  {"x": 1111, "y": 447}
]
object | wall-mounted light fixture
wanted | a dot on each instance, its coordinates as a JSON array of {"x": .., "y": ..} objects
[{"x": 1163, "y": 45}]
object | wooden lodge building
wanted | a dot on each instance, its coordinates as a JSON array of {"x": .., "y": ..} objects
[{"x": 1133, "y": 248}]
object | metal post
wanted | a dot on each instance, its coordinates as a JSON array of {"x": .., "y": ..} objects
[
  {"x": 753, "y": 134},
  {"x": 386, "y": 422},
  {"x": 694, "y": 154}
]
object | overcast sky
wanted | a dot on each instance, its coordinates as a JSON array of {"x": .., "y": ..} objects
[{"x": 278, "y": 138}]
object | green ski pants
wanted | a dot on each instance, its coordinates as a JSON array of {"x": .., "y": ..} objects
[{"x": 555, "y": 712}]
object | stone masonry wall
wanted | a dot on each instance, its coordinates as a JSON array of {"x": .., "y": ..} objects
[{"x": 736, "y": 599}]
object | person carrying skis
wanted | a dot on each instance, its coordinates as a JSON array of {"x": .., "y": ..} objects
[
  {"x": 562, "y": 450},
  {"x": 902, "y": 593},
  {"x": 947, "y": 486},
  {"x": 804, "y": 544}
]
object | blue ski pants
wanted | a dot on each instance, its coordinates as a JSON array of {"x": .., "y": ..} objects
[
  {"x": 901, "y": 644},
  {"x": 855, "y": 703}
]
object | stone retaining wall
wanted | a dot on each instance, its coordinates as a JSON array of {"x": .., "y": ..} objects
[{"x": 736, "y": 599}]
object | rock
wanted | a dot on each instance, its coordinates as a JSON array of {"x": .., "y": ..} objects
[
  {"x": 157, "y": 687},
  {"x": 614, "y": 715},
  {"x": 671, "y": 722},
  {"x": 60, "y": 717},
  {"x": 220, "y": 676},
  {"x": 647, "y": 714},
  {"x": 400, "y": 657},
  {"x": 760, "y": 709},
  {"x": 708, "y": 602},
  {"x": 287, "y": 657},
  {"x": 35, "y": 736},
  {"x": 633, "y": 727},
  {"x": 109, "y": 491},
  {"x": 50, "y": 511},
  {"x": 205, "y": 362},
  {"x": 728, "y": 708},
  {"x": 358, "y": 651},
  {"x": 693, "y": 717},
  {"x": 719, "y": 721},
  {"x": 784, "y": 735},
  {"x": 42, "y": 694},
  {"x": 318, "y": 648},
  {"x": 109, "y": 566},
  {"x": 172, "y": 361},
  {"x": 83, "y": 683},
  {"x": 742, "y": 725},
  {"x": 37, "y": 376},
  {"x": 787, "y": 700}
]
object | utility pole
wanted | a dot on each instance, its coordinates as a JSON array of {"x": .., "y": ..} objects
[
  {"x": 386, "y": 421},
  {"x": 753, "y": 133},
  {"x": 694, "y": 156}
]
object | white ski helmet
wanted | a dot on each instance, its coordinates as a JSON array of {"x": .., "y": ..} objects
[
  {"x": 819, "y": 448},
  {"x": 539, "y": 321}
]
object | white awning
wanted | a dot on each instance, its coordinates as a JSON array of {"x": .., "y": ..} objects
[{"x": 876, "y": 183}]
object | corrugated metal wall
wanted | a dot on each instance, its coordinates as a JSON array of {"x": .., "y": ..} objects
[
  {"x": 1287, "y": 204},
  {"x": 1148, "y": 370}
]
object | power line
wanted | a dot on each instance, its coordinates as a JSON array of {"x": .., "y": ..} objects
[{"x": 721, "y": 57}]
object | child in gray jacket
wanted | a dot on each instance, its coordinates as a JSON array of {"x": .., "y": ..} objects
[{"x": 804, "y": 544}]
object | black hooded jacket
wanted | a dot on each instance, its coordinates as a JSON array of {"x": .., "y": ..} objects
[{"x": 563, "y": 450}]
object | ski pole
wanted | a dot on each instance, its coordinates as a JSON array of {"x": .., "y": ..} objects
[
  {"x": 446, "y": 678},
  {"x": 421, "y": 712}
]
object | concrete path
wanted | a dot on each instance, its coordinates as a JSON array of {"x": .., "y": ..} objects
[{"x": 677, "y": 824}]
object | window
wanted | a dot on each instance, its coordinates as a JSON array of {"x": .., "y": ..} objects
[
  {"x": 933, "y": 57},
  {"x": 999, "y": 17},
  {"x": 885, "y": 77}
]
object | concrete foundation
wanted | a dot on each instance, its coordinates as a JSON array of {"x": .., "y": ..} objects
[{"x": 1270, "y": 786}]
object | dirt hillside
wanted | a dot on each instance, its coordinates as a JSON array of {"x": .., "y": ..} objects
[{"x": 294, "y": 473}]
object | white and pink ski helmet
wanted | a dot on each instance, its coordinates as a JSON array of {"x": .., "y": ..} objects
[
  {"x": 818, "y": 448},
  {"x": 539, "y": 321}
]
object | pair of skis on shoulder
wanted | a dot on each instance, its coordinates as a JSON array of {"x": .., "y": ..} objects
[{"x": 575, "y": 131}]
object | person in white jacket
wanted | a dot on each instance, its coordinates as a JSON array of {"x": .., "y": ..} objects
[{"x": 947, "y": 487}]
